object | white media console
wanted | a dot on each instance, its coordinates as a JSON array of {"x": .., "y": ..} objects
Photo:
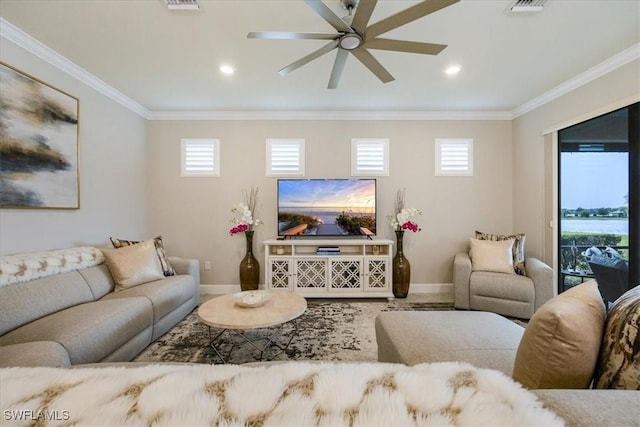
[{"x": 321, "y": 268}]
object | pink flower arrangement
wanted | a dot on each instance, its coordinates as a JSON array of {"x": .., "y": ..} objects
[
  {"x": 240, "y": 228},
  {"x": 410, "y": 226}
]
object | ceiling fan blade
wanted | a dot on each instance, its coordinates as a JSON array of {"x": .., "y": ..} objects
[
  {"x": 363, "y": 14},
  {"x": 408, "y": 15},
  {"x": 405, "y": 46},
  {"x": 275, "y": 35},
  {"x": 313, "y": 55},
  {"x": 373, "y": 65},
  {"x": 326, "y": 13},
  {"x": 338, "y": 66}
]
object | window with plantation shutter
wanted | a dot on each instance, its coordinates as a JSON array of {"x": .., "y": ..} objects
[
  {"x": 200, "y": 157},
  {"x": 285, "y": 157},
  {"x": 369, "y": 156},
  {"x": 454, "y": 157}
]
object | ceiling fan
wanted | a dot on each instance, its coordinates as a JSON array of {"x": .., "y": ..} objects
[{"x": 355, "y": 36}]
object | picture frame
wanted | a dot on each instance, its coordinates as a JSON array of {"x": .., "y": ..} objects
[{"x": 39, "y": 132}]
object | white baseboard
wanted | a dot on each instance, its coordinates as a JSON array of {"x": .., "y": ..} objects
[
  {"x": 431, "y": 288},
  {"x": 219, "y": 289},
  {"x": 418, "y": 288}
]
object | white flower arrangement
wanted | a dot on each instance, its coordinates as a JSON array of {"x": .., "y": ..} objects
[{"x": 246, "y": 222}]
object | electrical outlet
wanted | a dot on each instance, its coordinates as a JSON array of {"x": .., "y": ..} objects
[{"x": 207, "y": 265}]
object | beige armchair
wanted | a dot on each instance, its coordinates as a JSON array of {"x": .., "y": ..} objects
[{"x": 507, "y": 294}]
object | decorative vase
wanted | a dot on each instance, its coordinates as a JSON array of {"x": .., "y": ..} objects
[
  {"x": 249, "y": 266},
  {"x": 401, "y": 269}
]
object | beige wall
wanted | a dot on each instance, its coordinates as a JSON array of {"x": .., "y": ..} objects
[
  {"x": 528, "y": 145},
  {"x": 112, "y": 172},
  {"x": 193, "y": 213}
]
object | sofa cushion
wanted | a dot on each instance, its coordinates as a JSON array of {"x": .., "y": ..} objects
[
  {"x": 165, "y": 295},
  {"x": 133, "y": 265},
  {"x": 502, "y": 286},
  {"x": 491, "y": 256},
  {"x": 167, "y": 269},
  {"x": 99, "y": 280},
  {"x": 38, "y": 353},
  {"x": 619, "y": 360},
  {"x": 22, "y": 303},
  {"x": 517, "y": 251},
  {"x": 89, "y": 332},
  {"x": 560, "y": 346}
]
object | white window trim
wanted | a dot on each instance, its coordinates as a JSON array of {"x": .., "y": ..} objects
[
  {"x": 271, "y": 142},
  {"x": 466, "y": 169},
  {"x": 356, "y": 170},
  {"x": 215, "y": 170}
]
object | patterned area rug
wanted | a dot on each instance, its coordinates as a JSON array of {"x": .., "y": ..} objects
[{"x": 328, "y": 330}]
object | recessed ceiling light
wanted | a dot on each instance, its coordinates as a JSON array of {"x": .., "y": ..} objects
[
  {"x": 452, "y": 69},
  {"x": 227, "y": 69}
]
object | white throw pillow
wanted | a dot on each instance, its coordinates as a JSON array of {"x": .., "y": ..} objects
[
  {"x": 134, "y": 265},
  {"x": 495, "y": 256}
]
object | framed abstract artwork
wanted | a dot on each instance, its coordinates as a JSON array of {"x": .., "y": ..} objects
[{"x": 38, "y": 144}]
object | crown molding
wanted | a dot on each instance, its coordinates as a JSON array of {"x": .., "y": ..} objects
[
  {"x": 15, "y": 35},
  {"x": 605, "y": 67},
  {"x": 330, "y": 115}
]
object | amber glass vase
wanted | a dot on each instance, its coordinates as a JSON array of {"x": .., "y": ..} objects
[
  {"x": 249, "y": 266},
  {"x": 401, "y": 269}
]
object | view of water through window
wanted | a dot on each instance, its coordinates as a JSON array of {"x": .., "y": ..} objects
[{"x": 594, "y": 195}]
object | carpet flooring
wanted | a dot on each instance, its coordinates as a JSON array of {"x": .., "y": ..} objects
[{"x": 336, "y": 330}]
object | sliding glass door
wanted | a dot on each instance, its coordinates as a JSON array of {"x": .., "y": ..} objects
[{"x": 598, "y": 202}]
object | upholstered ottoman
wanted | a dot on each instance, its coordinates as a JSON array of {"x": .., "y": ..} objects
[{"x": 482, "y": 339}]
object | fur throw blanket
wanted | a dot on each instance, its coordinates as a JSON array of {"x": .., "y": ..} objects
[{"x": 281, "y": 394}]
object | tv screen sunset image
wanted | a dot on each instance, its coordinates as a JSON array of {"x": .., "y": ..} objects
[{"x": 327, "y": 207}]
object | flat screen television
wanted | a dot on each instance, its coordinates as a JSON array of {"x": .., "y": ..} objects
[{"x": 326, "y": 207}]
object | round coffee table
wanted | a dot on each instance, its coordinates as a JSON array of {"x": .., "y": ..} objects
[{"x": 223, "y": 313}]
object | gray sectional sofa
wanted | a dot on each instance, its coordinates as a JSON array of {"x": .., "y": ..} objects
[{"x": 75, "y": 317}]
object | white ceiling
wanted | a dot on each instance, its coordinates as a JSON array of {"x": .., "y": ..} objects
[{"x": 168, "y": 61}]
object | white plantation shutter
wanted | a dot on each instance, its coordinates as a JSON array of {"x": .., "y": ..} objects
[
  {"x": 454, "y": 157},
  {"x": 369, "y": 156},
  {"x": 200, "y": 157},
  {"x": 285, "y": 157}
]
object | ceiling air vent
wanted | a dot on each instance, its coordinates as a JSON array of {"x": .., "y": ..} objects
[
  {"x": 526, "y": 6},
  {"x": 182, "y": 4}
]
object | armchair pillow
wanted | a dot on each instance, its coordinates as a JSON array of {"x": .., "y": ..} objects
[
  {"x": 518, "y": 248},
  {"x": 495, "y": 256}
]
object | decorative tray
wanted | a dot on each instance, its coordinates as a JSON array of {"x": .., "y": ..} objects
[{"x": 251, "y": 298}]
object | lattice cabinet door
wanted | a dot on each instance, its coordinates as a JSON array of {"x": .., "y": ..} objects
[
  {"x": 310, "y": 274},
  {"x": 377, "y": 274},
  {"x": 280, "y": 273},
  {"x": 345, "y": 273}
]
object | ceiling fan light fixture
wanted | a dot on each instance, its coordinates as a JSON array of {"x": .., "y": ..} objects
[{"x": 350, "y": 41}]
